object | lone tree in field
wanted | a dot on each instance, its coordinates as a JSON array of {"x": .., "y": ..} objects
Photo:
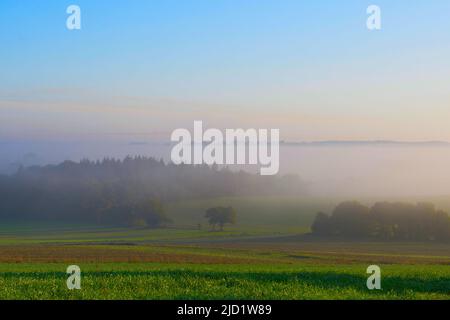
[{"x": 220, "y": 216}]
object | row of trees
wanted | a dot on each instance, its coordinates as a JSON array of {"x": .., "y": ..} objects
[
  {"x": 114, "y": 191},
  {"x": 384, "y": 220}
]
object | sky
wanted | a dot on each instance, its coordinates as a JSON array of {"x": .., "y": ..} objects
[{"x": 137, "y": 70}]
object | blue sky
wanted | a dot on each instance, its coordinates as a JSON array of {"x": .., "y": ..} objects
[{"x": 310, "y": 68}]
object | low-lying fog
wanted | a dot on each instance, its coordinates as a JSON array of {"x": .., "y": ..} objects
[{"x": 335, "y": 169}]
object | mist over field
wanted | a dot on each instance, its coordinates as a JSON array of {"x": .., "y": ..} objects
[
  {"x": 329, "y": 169},
  {"x": 103, "y": 105}
]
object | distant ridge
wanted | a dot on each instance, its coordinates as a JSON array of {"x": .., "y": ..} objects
[
  {"x": 368, "y": 143},
  {"x": 349, "y": 143}
]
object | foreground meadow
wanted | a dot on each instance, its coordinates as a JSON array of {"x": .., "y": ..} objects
[
  {"x": 233, "y": 270},
  {"x": 264, "y": 260},
  {"x": 229, "y": 281}
]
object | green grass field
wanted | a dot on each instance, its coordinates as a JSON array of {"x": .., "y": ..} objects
[
  {"x": 257, "y": 259},
  {"x": 199, "y": 281}
]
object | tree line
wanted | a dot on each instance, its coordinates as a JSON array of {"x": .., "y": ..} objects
[
  {"x": 129, "y": 191},
  {"x": 385, "y": 221}
]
